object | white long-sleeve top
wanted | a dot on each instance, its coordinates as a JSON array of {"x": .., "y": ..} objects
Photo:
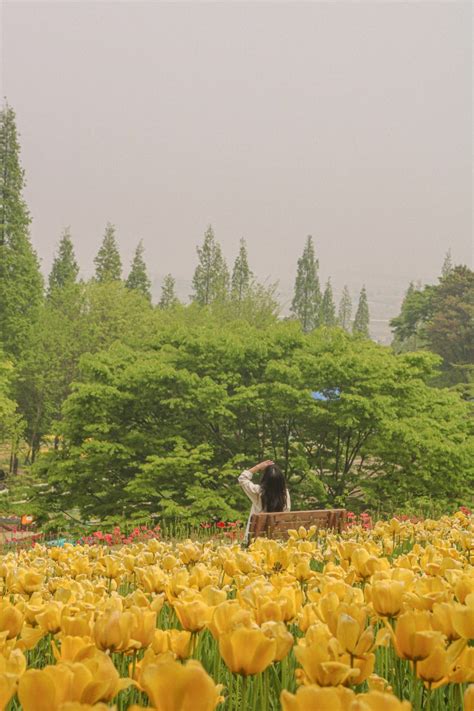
[{"x": 254, "y": 493}]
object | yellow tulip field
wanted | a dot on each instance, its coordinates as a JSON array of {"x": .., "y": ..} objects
[{"x": 378, "y": 619}]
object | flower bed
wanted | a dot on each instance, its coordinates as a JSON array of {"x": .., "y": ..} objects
[{"x": 380, "y": 616}]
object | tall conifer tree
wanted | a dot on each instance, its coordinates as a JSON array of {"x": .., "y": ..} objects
[
  {"x": 306, "y": 304},
  {"x": 168, "y": 293},
  {"x": 361, "y": 320},
  {"x": 345, "y": 310},
  {"x": 447, "y": 267},
  {"x": 65, "y": 269},
  {"x": 241, "y": 275},
  {"x": 138, "y": 278},
  {"x": 211, "y": 276},
  {"x": 108, "y": 264},
  {"x": 21, "y": 284},
  {"x": 328, "y": 307}
]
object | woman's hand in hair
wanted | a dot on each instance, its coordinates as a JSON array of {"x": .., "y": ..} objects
[{"x": 261, "y": 465}]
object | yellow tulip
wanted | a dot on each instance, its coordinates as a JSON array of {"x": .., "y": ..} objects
[
  {"x": 283, "y": 638},
  {"x": 387, "y": 596},
  {"x": 177, "y": 584},
  {"x": 180, "y": 643},
  {"x": 11, "y": 620},
  {"x": 160, "y": 642},
  {"x": 193, "y": 615},
  {"x": 113, "y": 631},
  {"x": 464, "y": 586},
  {"x": 37, "y": 691},
  {"x": 29, "y": 580},
  {"x": 112, "y": 566},
  {"x": 106, "y": 682},
  {"x": 149, "y": 657},
  {"x": 227, "y": 616},
  {"x": 93, "y": 680},
  {"x": 352, "y": 636},
  {"x": 136, "y": 599},
  {"x": 414, "y": 638},
  {"x": 13, "y": 664},
  {"x": 378, "y": 683},
  {"x": 434, "y": 668},
  {"x": 364, "y": 665},
  {"x": 365, "y": 564},
  {"x": 246, "y": 650},
  {"x": 76, "y": 623},
  {"x": 308, "y": 616},
  {"x": 34, "y": 606},
  {"x": 172, "y": 686},
  {"x": 73, "y": 649},
  {"x": 321, "y": 665},
  {"x": 314, "y": 698},
  {"x": 189, "y": 552},
  {"x": 49, "y": 619},
  {"x": 157, "y": 603},
  {"x": 378, "y": 701},
  {"x": 169, "y": 562},
  {"x": 213, "y": 596},
  {"x": 80, "y": 565},
  {"x": 469, "y": 698},
  {"x": 30, "y": 636},
  {"x": 200, "y": 576},
  {"x": 442, "y": 620},
  {"x": 319, "y": 634},
  {"x": 153, "y": 579},
  {"x": 143, "y": 626},
  {"x": 303, "y": 570},
  {"x": 268, "y": 608},
  {"x": 463, "y": 668},
  {"x": 463, "y": 621},
  {"x": 8, "y": 684}
]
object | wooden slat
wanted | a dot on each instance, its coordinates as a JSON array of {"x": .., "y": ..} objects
[{"x": 276, "y": 525}]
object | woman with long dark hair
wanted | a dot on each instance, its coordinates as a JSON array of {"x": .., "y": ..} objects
[{"x": 270, "y": 495}]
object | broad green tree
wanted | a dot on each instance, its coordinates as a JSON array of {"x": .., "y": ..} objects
[
  {"x": 241, "y": 275},
  {"x": 360, "y": 327},
  {"x": 168, "y": 293},
  {"x": 306, "y": 304},
  {"x": 328, "y": 307},
  {"x": 344, "y": 315},
  {"x": 76, "y": 319},
  {"x": 21, "y": 284},
  {"x": 108, "y": 264},
  {"x": 440, "y": 317},
  {"x": 138, "y": 278},
  {"x": 211, "y": 276},
  {"x": 170, "y": 424},
  {"x": 65, "y": 269}
]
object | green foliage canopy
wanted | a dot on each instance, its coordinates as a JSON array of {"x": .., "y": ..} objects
[{"x": 166, "y": 427}]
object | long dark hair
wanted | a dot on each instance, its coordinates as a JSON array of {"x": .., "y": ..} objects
[{"x": 273, "y": 489}]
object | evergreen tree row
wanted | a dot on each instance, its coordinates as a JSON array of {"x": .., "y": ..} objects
[
  {"x": 21, "y": 283},
  {"x": 314, "y": 309}
]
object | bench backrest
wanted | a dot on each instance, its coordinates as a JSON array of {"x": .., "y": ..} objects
[{"x": 276, "y": 525}]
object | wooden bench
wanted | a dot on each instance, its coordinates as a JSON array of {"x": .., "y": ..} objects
[{"x": 277, "y": 525}]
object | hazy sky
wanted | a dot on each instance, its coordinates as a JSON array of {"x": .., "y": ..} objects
[{"x": 350, "y": 121}]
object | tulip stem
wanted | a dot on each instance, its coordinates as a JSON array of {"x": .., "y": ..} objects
[
  {"x": 244, "y": 694},
  {"x": 428, "y": 698}
]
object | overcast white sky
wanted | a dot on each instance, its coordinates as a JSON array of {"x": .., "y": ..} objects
[{"x": 350, "y": 121}]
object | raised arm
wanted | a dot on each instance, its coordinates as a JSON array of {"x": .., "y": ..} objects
[{"x": 245, "y": 480}]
